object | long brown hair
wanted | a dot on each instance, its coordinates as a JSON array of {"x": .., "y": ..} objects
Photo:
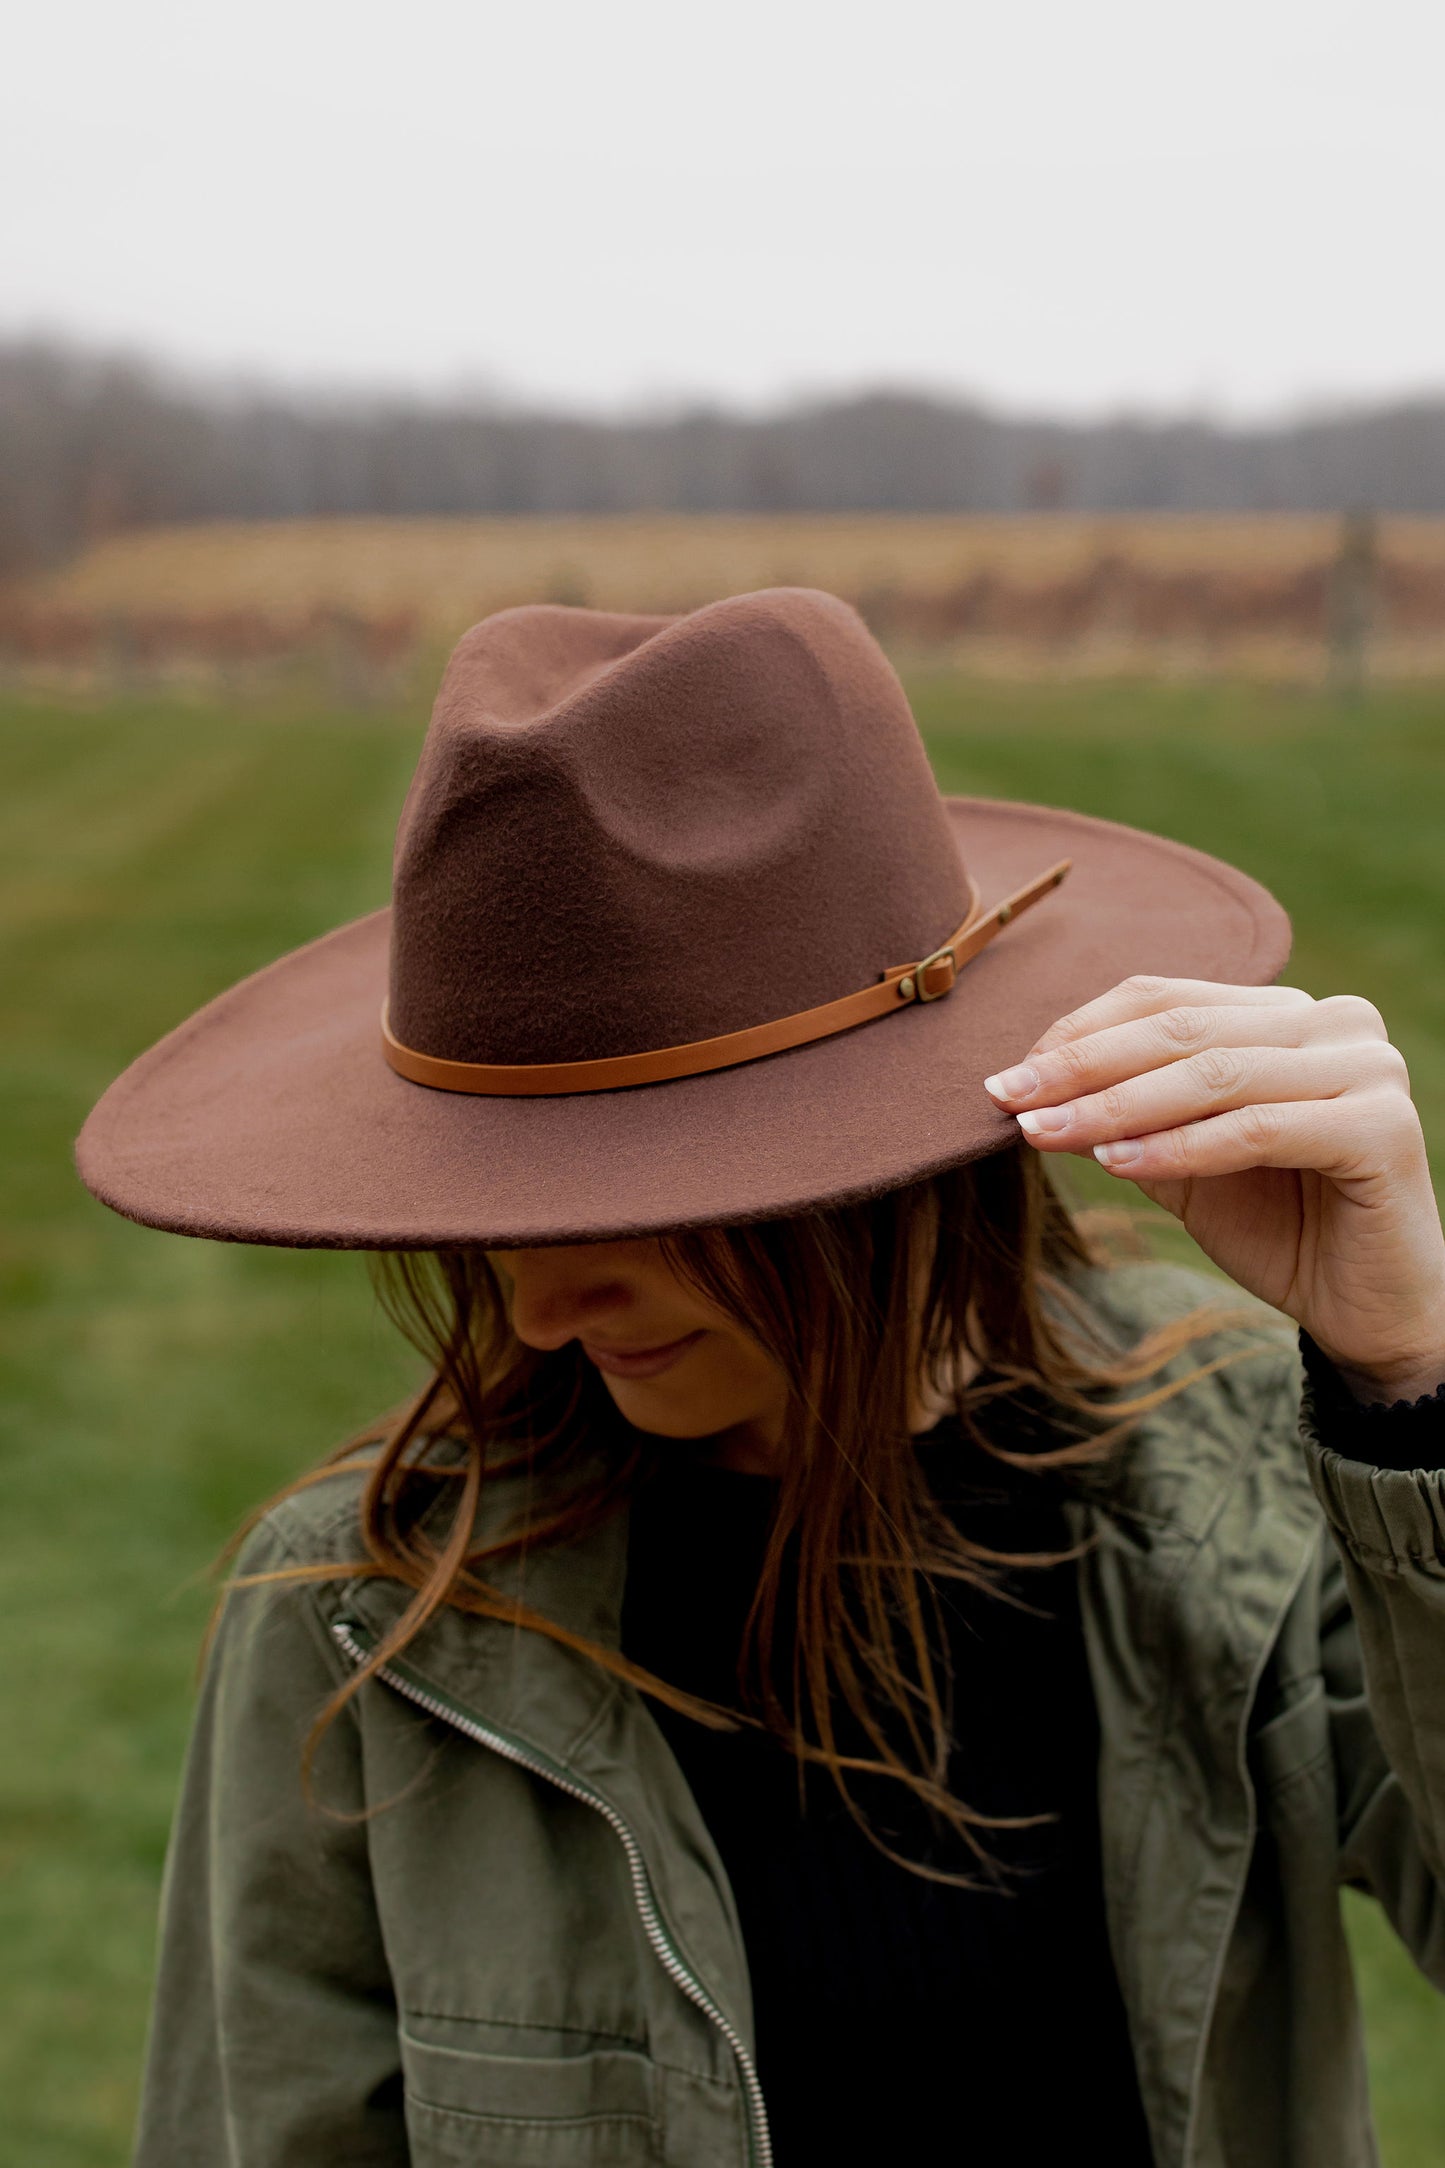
[{"x": 970, "y": 1275}]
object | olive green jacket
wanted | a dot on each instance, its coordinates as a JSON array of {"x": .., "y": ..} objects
[{"x": 529, "y": 1957}]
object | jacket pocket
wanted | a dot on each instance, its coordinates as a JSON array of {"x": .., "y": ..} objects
[{"x": 563, "y": 2110}]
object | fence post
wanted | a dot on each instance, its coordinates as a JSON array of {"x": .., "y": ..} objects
[{"x": 1350, "y": 604}]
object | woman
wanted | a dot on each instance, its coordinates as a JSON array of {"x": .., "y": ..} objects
[{"x": 829, "y": 1667}]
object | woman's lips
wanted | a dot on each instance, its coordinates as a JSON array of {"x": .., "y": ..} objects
[{"x": 640, "y": 1362}]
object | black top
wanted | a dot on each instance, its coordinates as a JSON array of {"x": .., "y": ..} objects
[{"x": 898, "y": 2018}]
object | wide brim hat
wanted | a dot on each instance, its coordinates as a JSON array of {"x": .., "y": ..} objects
[{"x": 682, "y": 933}]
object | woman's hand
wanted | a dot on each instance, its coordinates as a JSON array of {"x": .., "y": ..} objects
[{"x": 1280, "y": 1131}]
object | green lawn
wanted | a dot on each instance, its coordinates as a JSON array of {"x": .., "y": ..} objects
[{"x": 154, "y": 1388}]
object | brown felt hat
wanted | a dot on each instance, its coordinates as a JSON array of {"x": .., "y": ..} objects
[{"x": 681, "y": 932}]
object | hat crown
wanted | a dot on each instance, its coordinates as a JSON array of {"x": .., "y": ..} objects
[{"x": 631, "y": 832}]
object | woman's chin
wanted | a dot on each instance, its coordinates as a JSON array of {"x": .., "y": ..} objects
[{"x": 655, "y": 1405}]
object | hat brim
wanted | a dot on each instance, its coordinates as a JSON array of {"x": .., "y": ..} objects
[{"x": 272, "y": 1116}]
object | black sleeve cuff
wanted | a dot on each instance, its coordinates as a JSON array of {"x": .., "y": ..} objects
[{"x": 1400, "y": 1434}]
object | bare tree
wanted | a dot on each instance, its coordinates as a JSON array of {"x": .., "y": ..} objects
[{"x": 89, "y": 444}]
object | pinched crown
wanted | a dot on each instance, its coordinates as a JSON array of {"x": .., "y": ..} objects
[{"x": 633, "y": 832}]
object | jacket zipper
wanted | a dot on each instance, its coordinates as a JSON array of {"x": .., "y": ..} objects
[{"x": 760, "y": 2147}]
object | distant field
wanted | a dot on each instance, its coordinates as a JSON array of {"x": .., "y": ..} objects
[
  {"x": 1030, "y": 594},
  {"x": 153, "y": 1388},
  {"x": 452, "y": 571}
]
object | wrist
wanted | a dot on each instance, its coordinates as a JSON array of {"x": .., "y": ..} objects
[{"x": 1410, "y": 1379}]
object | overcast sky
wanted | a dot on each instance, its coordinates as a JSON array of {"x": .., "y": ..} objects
[{"x": 1231, "y": 205}]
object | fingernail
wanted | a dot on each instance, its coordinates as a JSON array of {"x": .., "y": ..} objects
[
  {"x": 1012, "y": 1083},
  {"x": 1047, "y": 1121},
  {"x": 1117, "y": 1155}
]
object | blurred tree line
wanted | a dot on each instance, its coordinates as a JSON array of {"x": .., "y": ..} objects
[{"x": 91, "y": 443}]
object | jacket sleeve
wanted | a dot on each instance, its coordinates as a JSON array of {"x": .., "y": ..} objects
[
  {"x": 1383, "y": 1635},
  {"x": 273, "y": 2036}
]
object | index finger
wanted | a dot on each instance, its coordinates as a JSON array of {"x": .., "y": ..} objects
[{"x": 1146, "y": 996}]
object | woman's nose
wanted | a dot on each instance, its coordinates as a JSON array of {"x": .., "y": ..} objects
[{"x": 557, "y": 1294}]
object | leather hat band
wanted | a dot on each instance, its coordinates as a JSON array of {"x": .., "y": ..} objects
[{"x": 928, "y": 980}]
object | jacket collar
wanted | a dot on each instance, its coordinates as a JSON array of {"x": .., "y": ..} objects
[{"x": 525, "y": 1683}]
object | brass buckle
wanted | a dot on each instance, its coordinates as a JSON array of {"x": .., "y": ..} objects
[{"x": 936, "y": 958}]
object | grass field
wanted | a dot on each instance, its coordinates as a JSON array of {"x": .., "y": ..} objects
[{"x": 154, "y": 1388}]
